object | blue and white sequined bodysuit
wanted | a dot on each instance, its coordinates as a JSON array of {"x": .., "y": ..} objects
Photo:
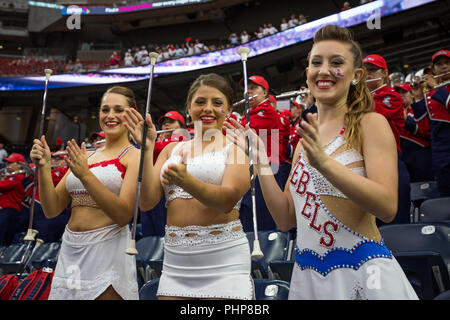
[{"x": 332, "y": 261}]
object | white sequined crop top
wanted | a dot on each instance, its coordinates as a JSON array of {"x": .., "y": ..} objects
[
  {"x": 208, "y": 167},
  {"x": 109, "y": 172},
  {"x": 347, "y": 158}
]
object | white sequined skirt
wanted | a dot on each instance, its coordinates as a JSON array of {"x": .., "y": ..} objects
[
  {"x": 91, "y": 261},
  {"x": 207, "y": 262}
]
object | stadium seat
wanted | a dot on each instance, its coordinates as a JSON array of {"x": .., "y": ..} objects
[
  {"x": 421, "y": 191},
  {"x": 148, "y": 290},
  {"x": 435, "y": 210},
  {"x": 150, "y": 257},
  {"x": 443, "y": 296},
  {"x": 281, "y": 269},
  {"x": 270, "y": 289},
  {"x": 46, "y": 255},
  {"x": 275, "y": 245},
  {"x": 18, "y": 237},
  {"x": 423, "y": 251},
  {"x": 11, "y": 257}
]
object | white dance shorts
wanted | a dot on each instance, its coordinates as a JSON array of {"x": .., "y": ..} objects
[
  {"x": 91, "y": 261},
  {"x": 207, "y": 262}
]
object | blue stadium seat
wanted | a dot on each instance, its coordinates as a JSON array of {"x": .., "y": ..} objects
[
  {"x": 423, "y": 251},
  {"x": 11, "y": 257},
  {"x": 421, "y": 191},
  {"x": 150, "y": 257},
  {"x": 18, "y": 237},
  {"x": 443, "y": 296},
  {"x": 435, "y": 210},
  {"x": 270, "y": 289},
  {"x": 46, "y": 255},
  {"x": 281, "y": 269},
  {"x": 148, "y": 290},
  {"x": 275, "y": 245}
]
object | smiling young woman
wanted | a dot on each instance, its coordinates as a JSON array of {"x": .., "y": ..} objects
[
  {"x": 343, "y": 177},
  {"x": 203, "y": 183},
  {"x": 101, "y": 187}
]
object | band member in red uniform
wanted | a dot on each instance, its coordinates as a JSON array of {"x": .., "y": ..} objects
[
  {"x": 415, "y": 139},
  {"x": 12, "y": 193},
  {"x": 265, "y": 120},
  {"x": 435, "y": 103},
  {"x": 390, "y": 104},
  {"x": 51, "y": 229}
]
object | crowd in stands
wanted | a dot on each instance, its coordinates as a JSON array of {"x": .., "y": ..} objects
[{"x": 136, "y": 56}]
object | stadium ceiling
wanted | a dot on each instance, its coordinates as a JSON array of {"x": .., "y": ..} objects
[{"x": 145, "y": 19}]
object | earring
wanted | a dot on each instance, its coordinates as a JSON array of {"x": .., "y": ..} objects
[{"x": 354, "y": 82}]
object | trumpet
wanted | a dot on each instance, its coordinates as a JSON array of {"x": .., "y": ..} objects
[
  {"x": 241, "y": 102},
  {"x": 4, "y": 173},
  {"x": 443, "y": 84},
  {"x": 441, "y": 75},
  {"x": 375, "y": 79},
  {"x": 290, "y": 94}
]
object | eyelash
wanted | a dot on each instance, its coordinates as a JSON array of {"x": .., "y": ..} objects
[
  {"x": 200, "y": 102},
  {"x": 335, "y": 63}
]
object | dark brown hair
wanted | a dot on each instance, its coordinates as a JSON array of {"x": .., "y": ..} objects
[
  {"x": 127, "y": 93},
  {"x": 359, "y": 99},
  {"x": 210, "y": 80}
]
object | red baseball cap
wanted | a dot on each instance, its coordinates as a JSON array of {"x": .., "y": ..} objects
[
  {"x": 295, "y": 104},
  {"x": 440, "y": 53},
  {"x": 93, "y": 134},
  {"x": 376, "y": 60},
  {"x": 403, "y": 86},
  {"x": 59, "y": 141},
  {"x": 15, "y": 157},
  {"x": 174, "y": 115},
  {"x": 260, "y": 81}
]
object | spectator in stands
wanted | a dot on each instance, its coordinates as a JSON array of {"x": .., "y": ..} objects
[
  {"x": 233, "y": 39},
  {"x": 266, "y": 30},
  {"x": 302, "y": 19},
  {"x": 199, "y": 206},
  {"x": 78, "y": 67},
  {"x": 271, "y": 29},
  {"x": 12, "y": 193},
  {"x": 284, "y": 25},
  {"x": 101, "y": 187},
  {"x": 3, "y": 155},
  {"x": 190, "y": 49},
  {"x": 260, "y": 33},
  {"x": 346, "y": 6},
  {"x": 293, "y": 21},
  {"x": 69, "y": 67},
  {"x": 128, "y": 59},
  {"x": 200, "y": 47},
  {"x": 341, "y": 169},
  {"x": 245, "y": 37},
  {"x": 179, "y": 51},
  {"x": 114, "y": 61},
  {"x": 145, "y": 59}
]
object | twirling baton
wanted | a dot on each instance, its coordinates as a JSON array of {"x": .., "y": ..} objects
[
  {"x": 256, "y": 253},
  {"x": 31, "y": 234},
  {"x": 131, "y": 250}
]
